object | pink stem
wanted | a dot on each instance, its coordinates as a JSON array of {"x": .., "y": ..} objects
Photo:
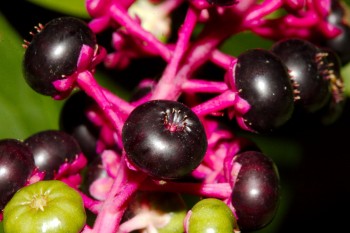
[
  {"x": 308, "y": 20},
  {"x": 218, "y": 103},
  {"x": 119, "y": 14},
  {"x": 204, "y": 86},
  {"x": 198, "y": 54},
  {"x": 87, "y": 82},
  {"x": 185, "y": 33},
  {"x": 221, "y": 59},
  {"x": 166, "y": 7},
  {"x": 261, "y": 10},
  {"x": 89, "y": 203},
  {"x": 218, "y": 190},
  {"x": 125, "y": 185},
  {"x": 124, "y": 106}
]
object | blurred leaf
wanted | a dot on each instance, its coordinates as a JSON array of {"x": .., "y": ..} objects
[
  {"x": 243, "y": 41},
  {"x": 69, "y": 7},
  {"x": 346, "y": 77},
  {"x": 23, "y": 111}
]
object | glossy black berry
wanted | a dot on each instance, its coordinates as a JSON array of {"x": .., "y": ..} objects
[
  {"x": 54, "y": 51},
  {"x": 336, "y": 14},
  {"x": 222, "y": 2},
  {"x": 333, "y": 109},
  {"x": 263, "y": 81},
  {"x": 340, "y": 43},
  {"x": 255, "y": 194},
  {"x": 73, "y": 120},
  {"x": 51, "y": 149},
  {"x": 16, "y": 167},
  {"x": 165, "y": 139},
  {"x": 308, "y": 69}
]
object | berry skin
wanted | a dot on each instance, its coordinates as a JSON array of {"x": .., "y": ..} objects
[
  {"x": 308, "y": 69},
  {"x": 211, "y": 215},
  {"x": 54, "y": 51},
  {"x": 51, "y": 149},
  {"x": 16, "y": 166},
  {"x": 255, "y": 194},
  {"x": 45, "y": 207},
  {"x": 165, "y": 139},
  {"x": 263, "y": 81}
]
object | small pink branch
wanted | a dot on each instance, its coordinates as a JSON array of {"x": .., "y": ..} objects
[
  {"x": 221, "y": 59},
  {"x": 218, "y": 103},
  {"x": 125, "y": 185},
  {"x": 260, "y": 11},
  {"x": 87, "y": 83},
  {"x": 185, "y": 33},
  {"x": 166, "y": 7},
  {"x": 120, "y": 15},
  {"x": 124, "y": 106},
  {"x": 90, "y": 204},
  {"x": 204, "y": 86},
  {"x": 218, "y": 190}
]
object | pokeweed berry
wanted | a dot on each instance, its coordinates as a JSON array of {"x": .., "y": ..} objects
[
  {"x": 262, "y": 80},
  {"x": 309, "y": 70},
  {"x": 211, "y": 215},
  {"x": 54, "y": 51},
  {"x": 51, "y": 149},
  {"x": 45, "y": 207},
  {"x": 339, "y": 43},
  {"x": 16, "y": 166},
  {"x": 164, "y": 138},
  {"x": 255, "y": 194},
  {"x": 334, "y": 107}
]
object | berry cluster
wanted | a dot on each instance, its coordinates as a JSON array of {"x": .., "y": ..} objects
[{"x": 127, "y": 162}]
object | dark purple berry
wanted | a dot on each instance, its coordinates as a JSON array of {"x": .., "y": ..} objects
[
  {"x": 51, "y": 149},
  {"x": 336, "y": 14},
  {"x": 263, "y": 81},
  {"x": 255, "y": 194},
  {"x": 74, "y": 121},
  {"x": 222, "y": 2},
  {"x": 340, "y": 43},
  {"x": 54, "y": 51},
  {"x": 333, "y": 109},
  {"x": 308, "y": 69},
  {"x": 16, "y": 167},
  {"x": 165, "y": 139}
]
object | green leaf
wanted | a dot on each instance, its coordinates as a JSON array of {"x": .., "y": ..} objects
[
  {"x": 69, "y": 7},
  {"x": 23, "y": 111},
  {"x": 346, "y": 77},
  {"x": 243, "y": 41}
]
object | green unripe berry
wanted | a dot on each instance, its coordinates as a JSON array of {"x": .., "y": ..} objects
[
  {"x": 211, "y": 215},
  {"x": 48, "y": 206}
]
